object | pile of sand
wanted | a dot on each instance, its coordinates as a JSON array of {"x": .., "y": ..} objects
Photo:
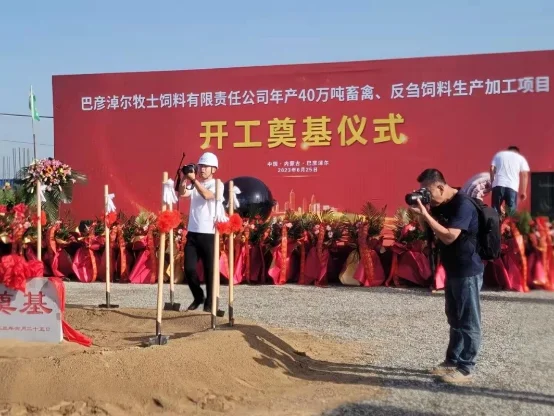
[{"x": 246, "y": 369}]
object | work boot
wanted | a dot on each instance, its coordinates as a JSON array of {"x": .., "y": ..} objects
[
  {"x": 457, "y": 377},
  {"x": 443, "y": 368}
]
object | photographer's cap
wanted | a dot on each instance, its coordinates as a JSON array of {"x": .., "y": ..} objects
[{"x": 208, "y": 159}]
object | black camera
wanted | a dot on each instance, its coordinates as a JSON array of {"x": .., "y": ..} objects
[
  {"x": 422, "y": 194},
  {"x": 190, "y": 168}
]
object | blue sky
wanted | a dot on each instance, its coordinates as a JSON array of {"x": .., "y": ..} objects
[{"x": 40, "y": 39}]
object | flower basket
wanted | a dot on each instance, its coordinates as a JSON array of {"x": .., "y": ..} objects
[{"x": 58, "y": 179}]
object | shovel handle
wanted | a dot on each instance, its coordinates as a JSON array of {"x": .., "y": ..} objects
[{"x": 161, "y": 262}]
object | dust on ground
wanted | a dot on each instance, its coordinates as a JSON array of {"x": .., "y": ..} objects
[{"x": 244, "y": 369}]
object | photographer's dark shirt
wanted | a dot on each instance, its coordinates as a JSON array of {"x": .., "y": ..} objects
[{"x": 459, "y": 259}]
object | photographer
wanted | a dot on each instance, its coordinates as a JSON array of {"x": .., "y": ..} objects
[
  {"x": 455, "y": 222},
  {"x": 201, "y": 225}
]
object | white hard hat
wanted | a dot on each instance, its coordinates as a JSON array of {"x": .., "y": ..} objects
[{"x": 208, "y": 159}]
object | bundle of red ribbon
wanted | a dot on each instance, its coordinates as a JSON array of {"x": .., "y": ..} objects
[{"x": 14, "y": 273}]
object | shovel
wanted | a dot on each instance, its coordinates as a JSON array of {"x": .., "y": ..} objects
[
  {"x": 108, "y": 304},
  {"x": 171, "y": 305},
  {"x": 160, "y": 339}
]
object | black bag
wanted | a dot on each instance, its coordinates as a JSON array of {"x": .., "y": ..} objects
[{"x": 489, "y": 235}]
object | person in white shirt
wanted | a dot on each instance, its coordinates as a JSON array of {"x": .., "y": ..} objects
[
  {"x": 201, "y": 227},
  {"x": 509, "y": 178}
]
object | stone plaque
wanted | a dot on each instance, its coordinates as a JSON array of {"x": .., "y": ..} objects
[{"x": 31, "y": 316}]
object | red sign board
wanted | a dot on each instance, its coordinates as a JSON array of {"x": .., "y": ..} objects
[{"x": 319, "y": 135}]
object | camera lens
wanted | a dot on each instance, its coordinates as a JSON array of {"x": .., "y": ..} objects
[
  {"x": 422, "y": 194},
  {"x": 190, "y": 168},
  {"x": 411, "y": 198}
]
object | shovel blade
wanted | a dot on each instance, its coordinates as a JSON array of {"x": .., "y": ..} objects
[
  {"x": 168, "y": 306},
  {"x": 110, "y": 306},
  {"x": 158, "y": 340}
]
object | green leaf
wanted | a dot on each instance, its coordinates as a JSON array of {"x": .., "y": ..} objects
[{"x": 67, "y": 193}]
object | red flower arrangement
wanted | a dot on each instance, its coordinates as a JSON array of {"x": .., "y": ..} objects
[
  {"x": 168, "y": 220},
  {"x": 407, "y": 229},
  {"x": 110, "y": 218},
  {"x": 234, "y": 225},
  {"x": 20, "y": 211},
  {"x": 16, "y": 222},
  {"x": 42, "y": 219}
]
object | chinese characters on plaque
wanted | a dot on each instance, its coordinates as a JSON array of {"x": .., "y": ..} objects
[{"x": 33, "y": 315}]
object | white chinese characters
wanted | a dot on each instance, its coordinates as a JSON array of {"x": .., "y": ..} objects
[
  {"x": 296, "y": 166},
  {"x": 349, "y": 93},
  {"x": 228, "y": 98},
  {"x": 487, "y": 86}
]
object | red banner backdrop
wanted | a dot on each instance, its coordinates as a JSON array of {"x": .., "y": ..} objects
[{"x": 319, "y": 135}]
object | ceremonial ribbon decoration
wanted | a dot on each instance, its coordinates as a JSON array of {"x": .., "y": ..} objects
[
  {"x": 225, "y": 224},
  {"x": 261, "y": 246},
  {"x": 247, "y": 253},
  {"x": 520, "y": 245},
  {"x": 365, "y": 253},
  {"x": 41, "y": 196},
  {"x": 123, "y": 267},
  {"x": 544, "y": 246},
  {"x": 84, "y": 260},
  {"x": 397, "y": 248},
  {"x": 88, "y": 244},
  {"x": 527, "y": 260},
  {"x": 181, "y": 251},
  {"x": 51, "y": 244},
  {"x": 302, "y": 241},
  {"x": 550, "y": 255},
  {"x": 419, "y": 265},
  {"x": 169, "y": 194},
  {"x": 52, "y": 247},
  {"x": 220, "y": 216},
  {"x": 17, "y": 247},
  {"x": 319, "y": 248},
  {"x": 283, "y": 248},
  {"x": 236, "y": 191},
  {"x": 168, "y": 220},
  {"x": 110, "y": 207},
  {"x": 151, "y": 246}
]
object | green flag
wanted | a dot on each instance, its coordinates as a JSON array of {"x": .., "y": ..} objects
[{"x": 33, "y": 105}]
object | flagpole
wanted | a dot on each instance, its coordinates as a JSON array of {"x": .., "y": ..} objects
[
  {"x": 34, "y": 138},
  {"x": 33, "y": 112}
]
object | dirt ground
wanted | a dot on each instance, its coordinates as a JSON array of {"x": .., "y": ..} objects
[{"x": 246, "y": 369}]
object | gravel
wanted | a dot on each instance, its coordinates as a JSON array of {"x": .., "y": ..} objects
[{"x": 407, "y": 332}]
